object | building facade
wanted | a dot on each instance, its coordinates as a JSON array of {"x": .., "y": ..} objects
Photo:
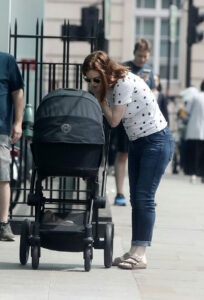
[{"x": 130, "y": 20}]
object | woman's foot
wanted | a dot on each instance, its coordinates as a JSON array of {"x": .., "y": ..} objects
[
  {"x": 120, "y": 259},
  {"x": 133, "y": 263}
]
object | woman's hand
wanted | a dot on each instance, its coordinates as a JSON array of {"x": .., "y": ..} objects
[
  {"x": 114, "y": 114},
  {"x": 96, "y": 94}
]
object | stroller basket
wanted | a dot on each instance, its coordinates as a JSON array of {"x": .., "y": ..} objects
[{"x": 68, "y": 227}]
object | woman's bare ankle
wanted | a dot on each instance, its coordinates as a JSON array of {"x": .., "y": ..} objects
[{"x": 138, "y": 252}]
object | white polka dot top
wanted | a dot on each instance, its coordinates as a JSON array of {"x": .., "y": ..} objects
[{"x": 142, "y": 116}]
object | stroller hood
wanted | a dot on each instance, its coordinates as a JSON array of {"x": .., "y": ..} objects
[{"x": 69, "y": 116}]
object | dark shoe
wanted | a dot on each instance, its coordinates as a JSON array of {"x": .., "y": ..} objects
[
  {"x": 120, "y": 200},
  {"x": 6, "y": 233}
]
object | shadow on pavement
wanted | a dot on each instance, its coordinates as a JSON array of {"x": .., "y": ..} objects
[{"x": 47, "y": 267}]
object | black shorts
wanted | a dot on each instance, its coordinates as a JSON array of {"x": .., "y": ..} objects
[
  {"x": 122, "y": 139},
  {"x": 194, "y": 157}
]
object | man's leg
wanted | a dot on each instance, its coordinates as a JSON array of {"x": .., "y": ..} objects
[
  {"x": 120, "y": 169},
  {"x": 120, "y": 164},
  {"x": 5, "y": 229},
  {"x": 4, "y": 201}
]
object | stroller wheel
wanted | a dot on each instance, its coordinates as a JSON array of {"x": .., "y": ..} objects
[
  {"x": 35, "y": 256},
  {"x": 87, "y": 258},
  {"x": 108, "y": 245},
  {"x": 24, "y": 242}
]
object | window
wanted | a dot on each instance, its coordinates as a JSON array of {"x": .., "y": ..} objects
[
  {"x": 145, "y": 29},
  {"x": 164, "y": 38},
  {"x": 166, "y": 3},
  {"x": 164, "y": 43},
  {"x": 154, "y": 25},
  {"x": 145, "y": 3}
]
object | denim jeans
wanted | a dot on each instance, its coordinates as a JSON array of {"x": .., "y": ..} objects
[{"x": 148, "y": 158}]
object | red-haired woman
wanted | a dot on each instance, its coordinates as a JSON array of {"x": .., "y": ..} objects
[{"x": 124, "y": 95}]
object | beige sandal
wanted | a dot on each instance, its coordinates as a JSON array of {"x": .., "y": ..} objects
[
  {"x": 120, "y": 259},
  {"x": 132, "y": 263}
]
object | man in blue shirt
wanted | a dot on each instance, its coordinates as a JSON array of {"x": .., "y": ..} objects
[
  {"x": 137, "y": 66},
  {"x": 11, "y": 116}
]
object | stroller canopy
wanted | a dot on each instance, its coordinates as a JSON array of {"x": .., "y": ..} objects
[{"x": 69, "y": 116}]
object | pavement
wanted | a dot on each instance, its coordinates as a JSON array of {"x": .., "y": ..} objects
[{"x": 175, "y": 261}]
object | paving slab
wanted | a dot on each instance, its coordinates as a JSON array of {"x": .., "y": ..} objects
[
  {"x": 61, "y": 276},
  {"x": 175, "y": 260}
]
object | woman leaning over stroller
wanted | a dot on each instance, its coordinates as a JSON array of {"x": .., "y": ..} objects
[{"x": 123, "y": 95}]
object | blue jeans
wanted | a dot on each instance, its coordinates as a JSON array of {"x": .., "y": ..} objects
[{"x": 148, "y": 158}]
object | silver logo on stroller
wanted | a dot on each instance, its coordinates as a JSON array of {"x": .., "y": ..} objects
[{"x": 66, "y": 128}]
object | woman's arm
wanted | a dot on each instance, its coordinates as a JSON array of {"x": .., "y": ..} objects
[
  {"x": 123, "y": 90},
  {"x": 114, "y": 114}
]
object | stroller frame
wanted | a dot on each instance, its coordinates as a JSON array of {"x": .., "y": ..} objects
[{"x": 33, "y": 235}]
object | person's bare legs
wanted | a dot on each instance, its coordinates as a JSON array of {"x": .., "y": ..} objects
[
  {"x": 6, "y": 233},
  {"x": 120, "y": 169},
  {"x": 4, "y": 201},
  {"x": 138, "y": 251}
]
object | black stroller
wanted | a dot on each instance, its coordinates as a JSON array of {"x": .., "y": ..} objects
[{"x": 68, "y": 141}]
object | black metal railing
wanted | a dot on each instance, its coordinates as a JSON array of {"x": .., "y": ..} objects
[{"x": 42, "y": 76}]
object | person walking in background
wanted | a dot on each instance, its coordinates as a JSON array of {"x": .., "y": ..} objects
[
  {"x": 161, "y": 98},
  {"x": 137, "y": 66},
  {"x": 194, "y": 138},
  {"x": 125, "y": 96},
  {"x": 11, "y": 99}
]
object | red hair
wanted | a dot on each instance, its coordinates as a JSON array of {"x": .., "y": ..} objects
[{"x": 109, "y": 70}]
